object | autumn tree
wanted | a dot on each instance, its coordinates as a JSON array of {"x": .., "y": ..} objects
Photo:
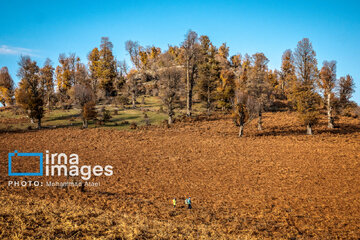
[
  {"x": 235, "y": 62},
  {"x": 30, "y": 93},
  {"x": 287, "y": 80},
  {"x": 307, "y": 73},
  {"x": 65, "y": 75},
  {"x": 346, "y": 89},
  {"x": 148, "y": 56},
  {"x": 94, "y": 69},
  {"x": 273, "y": 83},
  {"x": 225, "y": 91},
  {"x": 223, "y": 52},
  {"x": 243, "y": 77},
  {"x": 170, "y": 81},
  {"x": 257, "y": 85},
  {"x": 177, "y": 53},
  {"x": 208, "y": 72},
  {"x": 190, "y": 51},
  {"x": 47, "y": 81},
  {"x": 82, "y": 74},
  {"x": 327, "y": 83},
  {"x": 6, "y": 87},
  {"x": 107, "y": 67}
]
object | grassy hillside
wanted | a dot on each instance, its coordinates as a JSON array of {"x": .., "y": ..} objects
[{"x": 121, "y": 116}]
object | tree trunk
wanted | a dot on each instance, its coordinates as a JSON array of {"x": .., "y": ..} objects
[
  {"x": 188, "y": 90},
  {"x": 170, "y": 120},
  {"x": 48, "y": 105},
  {"x": 94, "y": 91},
  {"x": 308, "y": 129},
  {"x": 39, "y": 123},
  {"x": 133, "y": 100},
  {"x": 241, "y": 130},
  {"x": 329, "y": 112},
  {"x": 260, "y": 121},
  {"x": 208, "y": 104},
  {"x": 85, "y": 123}
]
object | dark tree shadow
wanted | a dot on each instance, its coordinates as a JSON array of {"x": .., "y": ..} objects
[
  {"x": 63, "y": 117},
  {"x": 342, "y": 129}
]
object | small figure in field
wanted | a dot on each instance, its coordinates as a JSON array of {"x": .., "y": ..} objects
[
  {"x": 174, "y": 202},
  {"x": 189, "y": 203}
]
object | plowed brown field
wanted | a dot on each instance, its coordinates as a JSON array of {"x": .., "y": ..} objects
[{"x": 275, "y": 184}]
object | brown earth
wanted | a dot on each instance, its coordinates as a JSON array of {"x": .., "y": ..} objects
[{"x": 275, "y": 184}]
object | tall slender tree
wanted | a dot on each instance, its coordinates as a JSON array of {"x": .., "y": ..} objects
[
  {"x": 47, "y": 81},
  {"x": 327, "y": 83},
  {"x": 307, "y": 73},
  {"x": 287, "y": 76},
  {"x": 94, "y": 69},
  {"x": 208, "y": 72},
  {"x": 170, "y": 81},
  {"x": 65, "y": 75},
  {"x": 226, "y": 85},
  {"x": 134, "y": 77},
  {"x": 108, "y": 68},
  {"x": 257, "y": 84},
  {"x": 190, "y": 47},
  {"x": 82, "y": 74}
]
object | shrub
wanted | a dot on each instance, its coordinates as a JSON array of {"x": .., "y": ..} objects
[
  {"x": 146, "y": 119},
  {"x": 133, "y": 125},
  {"x": 122, "y": 100},
  {"x": 106, "y": 116}
]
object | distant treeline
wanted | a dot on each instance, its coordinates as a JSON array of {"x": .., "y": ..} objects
[{"x": 243, "y": 85}]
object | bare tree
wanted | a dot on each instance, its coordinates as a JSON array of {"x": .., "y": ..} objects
[
  {"x": 133, "y": 49},
  {"x": 245, "y": 110},
  {"x": 121, "y": 78},
  {"x": 257, "y": 85},
  {"x": 190, "y": 46},
  {"x": 134, "y": 77},
  {"x": 327, "y": 82},
  {"x": 170, "y": 82},
  {"x": 82, "y": 74},
  {"x": 85, "y": 98},
  {"x": 133, "y": 83}
]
